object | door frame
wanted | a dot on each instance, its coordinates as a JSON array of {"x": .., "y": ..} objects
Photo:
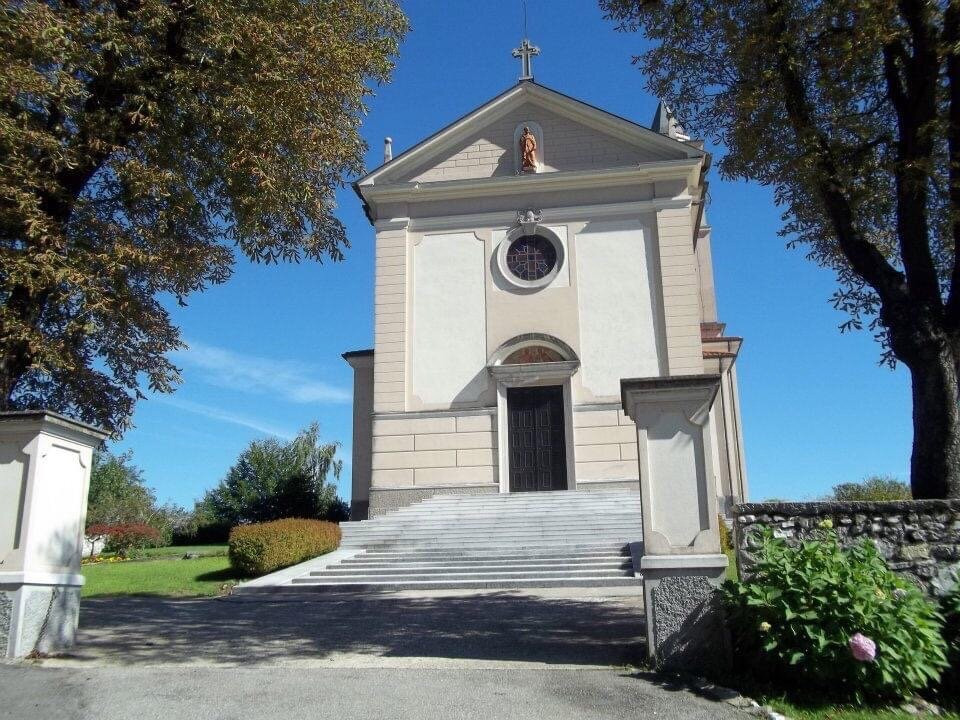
[{"x": 533, "y": 375}]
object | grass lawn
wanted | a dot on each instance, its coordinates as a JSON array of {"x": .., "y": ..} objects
[
  {"x": 163, "y": 576},
  {"x": 181, "y": 550}
]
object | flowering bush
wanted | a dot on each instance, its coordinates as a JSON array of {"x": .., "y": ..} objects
[
  {"x": 126, "y": 540},
  {"x": 950, "y": 682},
  {"x": 834, "y": 620},
  {"x": 264, "y": 547},
  {"x": 102, "y": 559}
]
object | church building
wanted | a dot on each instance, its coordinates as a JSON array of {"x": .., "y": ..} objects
[{"x": 529, "y": 257}]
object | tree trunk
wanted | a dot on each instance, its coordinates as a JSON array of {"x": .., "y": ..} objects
[{"x": 935, "y": 462}]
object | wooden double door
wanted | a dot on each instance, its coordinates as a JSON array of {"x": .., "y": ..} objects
[{"x": 535, "y": 423}]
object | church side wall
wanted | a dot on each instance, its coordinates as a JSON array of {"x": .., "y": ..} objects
[
  {"x": 681, "y": 292},
  {"x": 708, "y": 294},
  {"x": 389, "y": 330},
  {"x": 362, "y": 435}
]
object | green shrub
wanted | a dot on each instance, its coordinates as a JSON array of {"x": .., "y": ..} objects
[
  {"x": 877, "y": 488},
  {"x": 950, "y": 606},
  {"x": 795, "y": 617},
  {"x": 264, "y": 547},
  {"x": 726, "y": 541}
]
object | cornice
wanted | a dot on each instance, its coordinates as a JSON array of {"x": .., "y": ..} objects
[
  {"x": 551, "y": 215},
  {"x": 564, "y": 105},
  {"x": 685, "y": 170}
]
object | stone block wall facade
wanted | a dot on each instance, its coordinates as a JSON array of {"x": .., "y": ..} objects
[
  {"x": 919, "y": 539},
  {"x": 605, "y": 447}
]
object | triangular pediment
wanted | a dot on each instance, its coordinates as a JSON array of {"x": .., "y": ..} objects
[{"x": 572, "y": 136}]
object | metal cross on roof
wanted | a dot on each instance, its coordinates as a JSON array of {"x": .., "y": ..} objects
[{"x": 525, "y": 52}]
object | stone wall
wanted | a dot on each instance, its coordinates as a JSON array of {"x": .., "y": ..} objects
[{"x": 920, "y": 539}]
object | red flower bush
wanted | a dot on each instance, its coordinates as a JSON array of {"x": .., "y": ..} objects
[{"x": 128, "y": 539}]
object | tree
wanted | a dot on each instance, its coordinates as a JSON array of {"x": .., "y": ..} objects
[
  {"x": 118, "y": 494},
  {"x": 142, "y": 144},
  {"x": 873, "y": 488},
  {"x": 273, "y": 480},
  {"x": 850, "y": 109}
]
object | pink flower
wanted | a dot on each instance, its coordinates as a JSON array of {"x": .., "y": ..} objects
[{"x": 863, "y": 648}]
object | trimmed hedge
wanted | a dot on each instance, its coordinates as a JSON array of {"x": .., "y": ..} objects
[{"x": 264, "y": 547}]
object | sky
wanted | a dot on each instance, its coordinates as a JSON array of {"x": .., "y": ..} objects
[{"x": 264, "y": 356}]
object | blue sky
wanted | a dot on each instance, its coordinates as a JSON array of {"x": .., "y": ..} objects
[{"x": 265, "y": 348}]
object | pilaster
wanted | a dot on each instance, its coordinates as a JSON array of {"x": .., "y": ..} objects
[
  {"x": 681, "y": 291},
  {"x": 390, "y": 317},
  {"x": 681, "y": 562},
  {"x": 45, "y": 462}
]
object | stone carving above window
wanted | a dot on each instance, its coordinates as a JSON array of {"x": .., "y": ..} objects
[{"x": 533, "y": 354}]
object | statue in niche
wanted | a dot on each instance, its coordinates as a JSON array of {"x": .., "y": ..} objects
[{"x": 528, "y": 151}]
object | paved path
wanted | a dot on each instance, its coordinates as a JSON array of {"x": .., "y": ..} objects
[
  {"x": 563, "y": 655},
  {"x": 601, "y": 627},
  {"x": 270, "y": 693}
]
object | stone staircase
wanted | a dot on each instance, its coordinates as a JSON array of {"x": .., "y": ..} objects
[{"x": 548, "y": 539}]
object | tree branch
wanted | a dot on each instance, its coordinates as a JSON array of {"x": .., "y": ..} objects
[
  {"x": 951, "y": 38},
  {"x": 865, "y": 259},
  {"x": 911, "y": 85}
]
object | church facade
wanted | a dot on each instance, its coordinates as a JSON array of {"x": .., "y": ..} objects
[{"x": 529, "y": 257}]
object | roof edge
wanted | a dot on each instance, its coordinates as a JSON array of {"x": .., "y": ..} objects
[{"x": 535, "y": 89}]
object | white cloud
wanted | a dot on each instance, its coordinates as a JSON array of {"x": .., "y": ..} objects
[
  {"x": 226, "y": 416},
  {"x": 288, "y": 380}
]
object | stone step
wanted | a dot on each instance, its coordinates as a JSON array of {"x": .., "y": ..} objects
[
  {"x": 492, "y": 545},
  {"x": 566, "y": 496},
  {"x": 501, "y": 510},
  {"x": 491, "y": 528},
  {"x": 510, "y": 513},
  {"x": 467, "y": 576},
  {"x": 374, "y": 563},
  {"x": 495, "y": 583},
  {"x": 425, "y": 509},
  {"x": 552, "y": 548},
  {"x": 443, "y": 545},
  {"x": 482, "y": 556},
  {"x": 491, "y": 568},
  {"x": 519, "y": 519},
  {"x": 487, "y": 538},
  {"x": 557, "y": 539}
]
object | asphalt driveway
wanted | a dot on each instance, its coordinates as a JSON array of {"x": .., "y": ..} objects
[
  {"x": 570, "y": 627},
  {"x": 563, "y": 655}
]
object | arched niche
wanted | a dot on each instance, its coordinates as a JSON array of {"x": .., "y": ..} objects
[
  {"x": 533, "y": 348},
  {"x": 538, "y": 134}
]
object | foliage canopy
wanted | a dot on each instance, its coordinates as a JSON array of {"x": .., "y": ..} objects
[
  {"x": 874, "y": 488},
  {"x": 145, "y": 143},
  {"x": 273, "y": 479},
  {"x": 119, "y": 496},
  {"x": 850, "y": 110}
]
